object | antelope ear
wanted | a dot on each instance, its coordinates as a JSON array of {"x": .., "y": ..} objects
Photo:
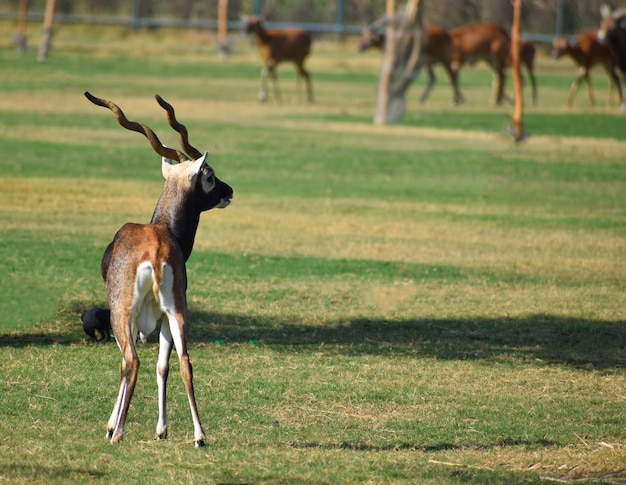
[
  {"x": 166, "y": 167},
  {"x": 196, "y": 168}
]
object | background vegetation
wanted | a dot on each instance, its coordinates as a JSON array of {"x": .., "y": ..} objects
[
  {"x": 539, "y": 16},
  {"x": 425, "y": 303}
]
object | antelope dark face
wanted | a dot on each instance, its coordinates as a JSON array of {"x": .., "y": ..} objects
[
  {"x": 252, "y": 24},
  {"x": 209, "y": 191},
  {"x": 559, "y": 47}
]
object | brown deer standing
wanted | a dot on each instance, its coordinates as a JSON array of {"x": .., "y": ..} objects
[
  {"x": 279, "y": 45},
  {"x": 144, "y": 269},
  {"x": 613, "y": 32},
  {"x": 437, "y": 50},
  {"x": 586, "y": 52},
  {"x": 482, "y": 42}
]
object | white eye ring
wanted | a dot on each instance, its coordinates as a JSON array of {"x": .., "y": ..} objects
[{"x": 208, "y": 183}]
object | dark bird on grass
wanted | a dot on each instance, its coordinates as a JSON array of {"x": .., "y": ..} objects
[{"x": 97, "y": 324}]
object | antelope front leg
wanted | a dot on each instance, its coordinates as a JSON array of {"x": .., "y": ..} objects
[
  {"x": 263, "y": 89},
  {"x": 162, "y": 371},
  {"x": 574, "y": 87},
  {"x": 429, "y": 86},
  {"x": 501, "y": 79},
  {"x": 590, "y": 90},
  {"x": 274, "y": 76}
]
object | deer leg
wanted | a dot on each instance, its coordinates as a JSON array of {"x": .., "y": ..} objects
[
  {"x": 500, "y": 86},
  {"x": 263, "y": 89},
  {"x": 454, "y": 81},
  {"x": 309, "y": 85},
  {"x": 533, "y": 82},
  {"x": 296, "y": 96},
  {"x": 431, "y": 82},
  {"x": 613, "y": 80},
  {"x": 575, "y": 85},
  {"x": 590, "y": 89},
  {"x": 272, "y": 73},
  {"x": 177, "y": 327},
  {"x": 162, "y": 372}
]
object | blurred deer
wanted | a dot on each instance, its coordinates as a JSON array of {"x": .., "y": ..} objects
[
  {"x": 482, "y": 42},
  {"x": 437, "y": 50},
  {"x": 586, "y": 51},
  {"x": 613, "y": 32},
  {"x": 280, "y": 45}
]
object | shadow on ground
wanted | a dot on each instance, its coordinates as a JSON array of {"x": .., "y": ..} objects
[{"x": 555, "y": 339}]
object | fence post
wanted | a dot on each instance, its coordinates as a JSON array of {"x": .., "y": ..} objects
[
  {"x": 340, "y": 18},
  {"x": 136, "y": 15},
  {"x": 559, "y": 18},
  {"x": 258, "y": 7}
]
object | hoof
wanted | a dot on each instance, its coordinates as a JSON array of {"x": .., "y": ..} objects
[
  {"x": 200, "y": 443},
  {"x": 117, "y": 439}
]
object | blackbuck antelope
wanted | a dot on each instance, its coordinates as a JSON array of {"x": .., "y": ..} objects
[
  {"x": 437, "y": 50},
  {"x": 280, "y": 45},
  {"x": 587, "y": 52},
  {"x": 613, "y": 32},
  {"x": 144, "y": 269},
  {"x": 482, "y": 42}
]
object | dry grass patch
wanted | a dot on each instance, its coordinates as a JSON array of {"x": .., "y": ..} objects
[{"x": 412, "y": 233}]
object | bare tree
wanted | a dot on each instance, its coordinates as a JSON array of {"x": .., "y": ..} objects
[{"x": 402, "y": 62}]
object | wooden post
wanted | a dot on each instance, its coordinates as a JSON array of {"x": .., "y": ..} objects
[
  {"x": 517, "y": 123},
  {"x": 20, "y": 37},
  {"x": 47, "y": 31},
  {"x": 222, "y": 29}
]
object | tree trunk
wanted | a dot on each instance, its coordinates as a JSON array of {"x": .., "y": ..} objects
[
  {"x": 401, "y": 63},
  {"x": 20, "y": 37}
]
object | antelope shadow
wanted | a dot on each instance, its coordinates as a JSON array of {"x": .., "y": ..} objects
[
  {"x": 572, "y": 341},
  {"x": 555, "y": 339}
]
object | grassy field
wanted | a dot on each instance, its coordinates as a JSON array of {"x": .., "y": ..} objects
[{"x": 423, "y": 303}]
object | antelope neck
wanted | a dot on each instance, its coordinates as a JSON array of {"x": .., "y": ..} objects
[
  {"x": 181, "y": 219},
  {"x": 262, "y": 34}
]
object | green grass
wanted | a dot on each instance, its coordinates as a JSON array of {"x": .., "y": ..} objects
[{"x": 423, "y": 303}]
